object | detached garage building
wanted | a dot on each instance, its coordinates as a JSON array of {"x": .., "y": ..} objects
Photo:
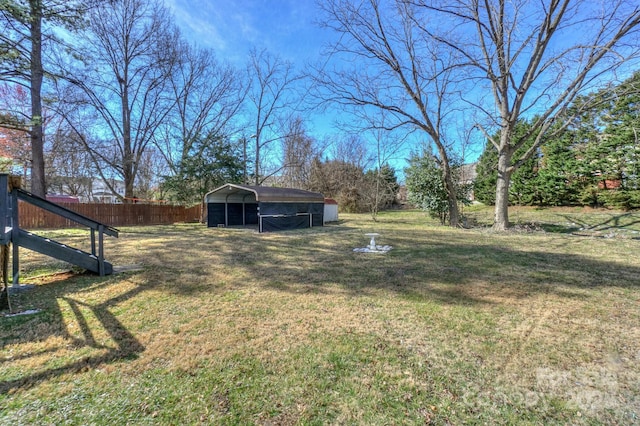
[{"x": 271, "y": 209}]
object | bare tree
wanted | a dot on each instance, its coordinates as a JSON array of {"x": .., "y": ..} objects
[
  {"x": 26, "y": 32},
  {"x": 151, "y": 168},
  {"x": 382, "y": 185},
  {"x": 341, "y": 175},
  {"x": 15, "y": 139},
  {"x": 69, "y": 166},
  {"x": 532, "y": 57},
  {"x": 299, "y": 150},
  {"x": 391, "y": 67},
  {"x": 270, "y": 95},
  {"x": 353, "y": 149},
  {"x": 208, "y": 96},
  {"x": 131, "y": 46}
]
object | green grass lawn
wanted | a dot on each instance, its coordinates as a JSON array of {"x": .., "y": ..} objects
[{"x": 540, "y": 325}]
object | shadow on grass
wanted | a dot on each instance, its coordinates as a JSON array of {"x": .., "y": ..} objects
[
  {"x": 445, "y": 267},
  {"x": 559, "y": 229},
  {"x": 426, "y": 265},
  {"x": 616, "y": 221},
  {"x": 127, "y": 346}
]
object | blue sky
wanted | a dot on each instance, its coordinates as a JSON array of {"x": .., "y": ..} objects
[
  {"x": 286, "y": 28},
  {"x": 233, "y": 27}
]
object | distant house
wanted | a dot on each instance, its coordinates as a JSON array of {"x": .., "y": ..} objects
[
  {"x": 100, "y": 192},
  {"x": 468, "y": 175},
  {"x": 604, "y": 183},
  {"x": 402, "y": 197},
  {"x": 69, "y": 186},
  {"x": 609, "y": 183},
  {"x": 61, "y": 198},
  {"x": 87, "y": 189}
]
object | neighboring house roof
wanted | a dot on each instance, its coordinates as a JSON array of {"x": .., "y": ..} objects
[
  {"x": 62, "y": 198},
  {"x": 262, "y": 194}
]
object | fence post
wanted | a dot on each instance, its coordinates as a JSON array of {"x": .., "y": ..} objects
[{"x": 101, "y": 250}]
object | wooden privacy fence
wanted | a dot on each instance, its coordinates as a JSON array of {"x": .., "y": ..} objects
[{"x": 32, "y": 217}]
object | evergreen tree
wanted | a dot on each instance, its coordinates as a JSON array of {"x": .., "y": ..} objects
[
  {"x": 620, "y": 146},
  {"x": 581, "y": 135},
  {"x": 426, "y": 187},
  {"x": 213, "y": 162},
  {"x": 623, "y": 131},
  {"x": 388, "y": 185},
  {"x": 558, "y": 180},
  {"x": 484, "y": 186},
  {"x": 606, "y": 146},
  {"x": 523, "y": 189}
]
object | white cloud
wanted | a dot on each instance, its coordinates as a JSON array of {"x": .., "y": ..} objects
[
  {"x": 199, "y": 22},
  {"x": 233, "y": 27}
]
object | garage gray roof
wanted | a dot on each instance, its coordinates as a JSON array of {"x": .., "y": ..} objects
[{"x": 230, "y": 192}]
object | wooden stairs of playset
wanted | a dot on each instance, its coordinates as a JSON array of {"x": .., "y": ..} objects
[{"x": 10, "y": 232}]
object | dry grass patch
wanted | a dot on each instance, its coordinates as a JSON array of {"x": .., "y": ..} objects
[{"x": 229, "y": 326}]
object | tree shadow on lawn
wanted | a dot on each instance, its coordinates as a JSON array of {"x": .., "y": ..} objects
[
  {"x": 559, "y": 229},
  {"x": 446, "y": 269},
  {"x": 126, "y": 344},
  {"x": 616, "y": 222},
  {"x": 447, "y": 266},
  {"x": 443, "y": 267}
]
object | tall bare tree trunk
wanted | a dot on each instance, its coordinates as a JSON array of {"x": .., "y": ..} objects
[
  {"x": 454, "y": 213},
  {"x": 257, "y": 160},
  {"x": 501, "y": 216},
  {"x": 38, "y": 186},
  {"x": 127, "y": 157}
]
